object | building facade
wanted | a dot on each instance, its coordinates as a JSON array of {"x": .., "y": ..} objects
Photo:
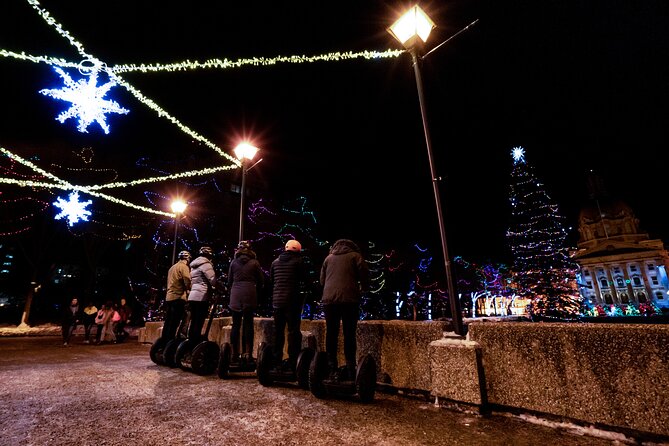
[{"x": 619, "y": 263}]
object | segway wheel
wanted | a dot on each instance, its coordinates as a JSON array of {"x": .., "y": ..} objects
[
  {"x": 302, "y": 367},
  {"x": 265, "y": 357},
  {"x": 318, "y": 370},
  {"x": 365, "y": 379},
  {"x": 224, "y": 360},
  {"x": 170, "y": 351},
  {"x": 156, "y": 352},
  {"x": 204, "y": 359},
  {"x": 184, "y": 352}
]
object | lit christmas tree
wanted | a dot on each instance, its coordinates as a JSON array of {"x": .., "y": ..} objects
[{"x": 537, "y": 237}]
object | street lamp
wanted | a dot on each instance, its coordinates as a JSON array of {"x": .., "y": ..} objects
[
  {"x": 244, "y": 152},
  {"x": 178, "y": 207},
  {"x": 412, "y": 31}
]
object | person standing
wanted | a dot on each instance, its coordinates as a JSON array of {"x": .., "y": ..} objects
[
  {"x": 203, "y": 280},
  {"x": 286, "y": 274},
  {"x": 125, "y": 313},
  {"x": 245, "y": 280},
  {"x": 71, "y": 317},
  {"x": 344, "y": 277},
  {"x": 88, "y": 318},
  {"x": 104, "y": 321},
  {"x": 178, "y": 286}
]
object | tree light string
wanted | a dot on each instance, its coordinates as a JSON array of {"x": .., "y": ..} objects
[{"x": 62, "y": 184}]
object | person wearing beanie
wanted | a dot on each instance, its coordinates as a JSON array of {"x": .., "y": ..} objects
[
  {"x": 287, "y": 273},
  {"x": 245, "y": 280},
  {"x": 344, "y": 277}
]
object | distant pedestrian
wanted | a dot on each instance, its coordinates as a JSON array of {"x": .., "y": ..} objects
[
  {"x": 125, "y": 314},
  {"x": 88, "y": 319},
  {"x": 71, "y": 316},
  {"x": 203, "y": 280},
  {"x": 245, "y": 280},
  {"x": 287, "y": 273},
  {"x": 344, "y": 276},
  {"x": 178, "y": 287},
  {"x": 104, "y": 322}
]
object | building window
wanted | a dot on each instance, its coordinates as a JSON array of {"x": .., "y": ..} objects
[
  {"x": 624, "y": 298},
  {"x": 633, "y": 268},
  {"x": 620, "y": 282},
  {"x": 659, "y": 295},
  {"x": 608, "y": 299},
  {"x": 641, "y": 297},
  {"x": 235, "y": 188},
  {"x": 604, "y": 283},
  {"x": 616, "y": 270},
  {"x": 651, "y": 267},
  {"x": 586, "y": 272},
  {"x": 637, "y": 281},
  {"x": 653, "y": 279}
]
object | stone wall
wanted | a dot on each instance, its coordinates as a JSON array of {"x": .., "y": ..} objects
[{"x": 614, "y": 375}]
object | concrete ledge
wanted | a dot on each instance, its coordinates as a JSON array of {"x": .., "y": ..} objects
[
  {"x": 456, "y": 370},
  {"x": 611, "y": 374}
]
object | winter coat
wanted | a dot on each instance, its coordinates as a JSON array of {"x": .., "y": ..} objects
[
  {"x": 344, "y": 274},
  {"x": 71, "y": 315},
  {"x": 202, "y": 278},
  {"x": 245, "y": 279},
  {"x": 285, "y": 275},
  {"x": 178, "y": 281}
]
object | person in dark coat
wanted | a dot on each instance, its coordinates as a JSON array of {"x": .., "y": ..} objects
[
  {"x": 71, "y": 316},
  {"x": 344, "y": 277},
  {"x": 286, "y": 274},
  {"x": 245, "y": 280}
]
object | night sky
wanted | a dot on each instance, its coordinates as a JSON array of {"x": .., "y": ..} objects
[{"x": 581, "y": 85}]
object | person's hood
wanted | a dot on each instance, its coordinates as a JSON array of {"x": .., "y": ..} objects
[
  {"x": 344, "y": 246},
  {"x": 286, "y": 256},
  {"x": 199, "y": 261},
  {"x": 245, "y": 254}
]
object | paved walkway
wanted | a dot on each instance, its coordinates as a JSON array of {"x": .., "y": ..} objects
[{"x": 114, "y": 395}]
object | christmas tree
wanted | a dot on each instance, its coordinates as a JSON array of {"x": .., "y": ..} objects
[{"x": 537, "y": 238}]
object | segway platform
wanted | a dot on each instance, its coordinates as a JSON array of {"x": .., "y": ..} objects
[
  {"x": 268, "y": 374},
  {"x": 363, "y": 386},
  {"x": 227, "y": 366}
]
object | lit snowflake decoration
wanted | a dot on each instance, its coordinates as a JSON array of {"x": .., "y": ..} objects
[
  {"x": 87, "y": 98},
  {"x": 73, "y": 209},
  {"x": 518, "y": 154}
]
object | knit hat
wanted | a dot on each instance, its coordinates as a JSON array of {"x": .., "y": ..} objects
[{"x": 293, "y": 245}]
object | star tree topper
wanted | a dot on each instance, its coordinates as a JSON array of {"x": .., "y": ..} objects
[
  {"x": 73, "y": 209},
  {"x": 87, "y": 98}
]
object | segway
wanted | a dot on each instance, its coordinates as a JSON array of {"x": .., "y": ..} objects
[
  {"x": 162, "y": 350},
  {"x": 226, "y": 366},
  {"x": 267, "y": 374},
  {"x": 156, "y": 352},
  {"x": 363, "y": 386},
  {"x": 199, "y": 355}
]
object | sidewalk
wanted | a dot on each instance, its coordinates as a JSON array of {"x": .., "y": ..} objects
[{"x": 115, "y": 395}]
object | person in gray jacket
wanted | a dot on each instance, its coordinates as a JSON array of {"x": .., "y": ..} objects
[
  {"x": 344, "y": 277},
  {"x": 245, "y": 280},
  {"x": 203, "y": 280}
]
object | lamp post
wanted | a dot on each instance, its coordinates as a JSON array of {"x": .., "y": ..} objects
[
  {"x": 178, "y": 207},
  {"x": 244, "y": 152},
  {"x": 412, "y": 31}
]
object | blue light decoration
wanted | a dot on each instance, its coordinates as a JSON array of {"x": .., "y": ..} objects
[
  {"x": 518, "y": 154},
  {"x": 73, "y": 209},
  {"x": 87, "y": 99}
]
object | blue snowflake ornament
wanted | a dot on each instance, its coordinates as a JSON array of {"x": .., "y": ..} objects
[
  {"x": 87, "y": 98},
  {"x": 73, "y": 209}
]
